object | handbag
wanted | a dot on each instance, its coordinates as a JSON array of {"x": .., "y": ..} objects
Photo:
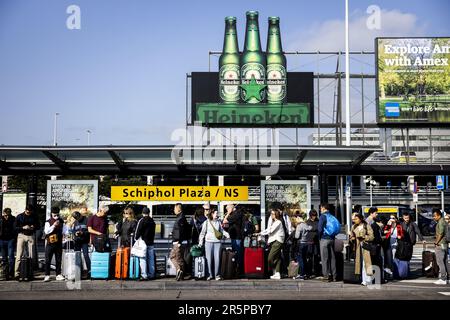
[
  {"x": 372, "y": 248},
  {"x": 217, "y": 233},
  {"x": 53, "y": 238},
  {"x": 139, "y": 248}
]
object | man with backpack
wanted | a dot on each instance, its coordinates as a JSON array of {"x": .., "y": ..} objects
[{"x": 328, "y": 228}]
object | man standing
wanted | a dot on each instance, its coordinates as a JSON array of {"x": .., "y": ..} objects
[
  {"x": 98, "y": 228},
  {"x": 235, "y": 219},
  {"x": 7, "y": 239},
  {"x": 327, "y": 245},
  {"x": 26, "y": 225},
  {"x": 82, "y": 237},
  {"x": 411, "y": 230},
  {"x": 441, "y": 247},
  {"x": 180, "y": 237},
  {"x": 53, "y": 243},
  {"x": 376, "y": 259},
  {"x": 146, "y": 230}
]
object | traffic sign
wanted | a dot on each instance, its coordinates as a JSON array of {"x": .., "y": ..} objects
[
  {"x": 415, "y": 197},
  {"x": 440, "y": 182}
]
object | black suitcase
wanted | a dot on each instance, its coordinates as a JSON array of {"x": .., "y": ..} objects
[
  {"x": 26, "y": 269},
  {"x": 4, "y": 270},
  {"x": 349, "y": 275},
  {"x": 430, "y": 268},
  {"x": 228, "y": 267},
  {"x": 339, "y": 256}
]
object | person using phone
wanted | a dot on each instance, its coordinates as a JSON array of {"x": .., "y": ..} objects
[{"x": 393, "y": 232}]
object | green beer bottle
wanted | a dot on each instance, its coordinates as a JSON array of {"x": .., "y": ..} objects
[
  {"x": 253, "y": 63},
  {"x": 276, "y": 64},
  {"x": 229, "y": 72}
]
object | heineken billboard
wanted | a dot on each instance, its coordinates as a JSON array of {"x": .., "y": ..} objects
[
  {"x": 251, "y": 87},
  {"x": 413, "y": 81}
]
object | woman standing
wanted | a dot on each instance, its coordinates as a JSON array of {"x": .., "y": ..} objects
[
  {"x": 362, "y": 236},
  {"x": 393, "y": 231},
  {"x": 126, "y": 227},
  {"x": 276, "y": 240},
  {"x": 212, "y": 232},
  {"x": 197, "y": 221}
]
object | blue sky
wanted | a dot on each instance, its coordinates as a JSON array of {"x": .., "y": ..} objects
[{"x": 123, "y": 74}]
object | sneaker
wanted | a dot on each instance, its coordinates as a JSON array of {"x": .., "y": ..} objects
[
  {"x": 388, "y": 271},
  {"x": 276, "y": 276},
  {"x": 47, "y": 279},
  {"x": 60, "y": 277},
  {"x": 179, "y": 275},
  {"x": 209, "y": 278},
  {"x": 299, "y": 277},
  {"x": 218, "y": 278},
  {"x": 440, "y": 282}
]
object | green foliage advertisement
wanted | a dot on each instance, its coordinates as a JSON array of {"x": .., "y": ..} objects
[{"x": 413, "y": 80}]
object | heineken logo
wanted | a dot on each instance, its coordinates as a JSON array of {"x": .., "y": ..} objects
[
  {"x": 289, "y": 114},
  {"x": 253, "y": 90}
]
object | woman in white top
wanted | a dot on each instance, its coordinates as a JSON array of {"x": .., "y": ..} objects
[
  {"x": 276, "y": 240},
  {"x": 213, "y": 233}
]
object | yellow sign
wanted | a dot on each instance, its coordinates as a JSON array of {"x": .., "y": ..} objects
[
  {"x": 177, "y": 193},
  {"x": 389, "y": 210}
]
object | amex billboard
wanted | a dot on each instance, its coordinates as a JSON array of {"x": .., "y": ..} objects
[{"x": 413, "y": 81}]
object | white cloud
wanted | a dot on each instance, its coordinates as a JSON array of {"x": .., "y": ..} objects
[{"x": 329, "y": 35}]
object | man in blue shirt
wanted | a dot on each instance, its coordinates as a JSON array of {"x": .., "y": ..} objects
[{"x": 326, "y": 246}]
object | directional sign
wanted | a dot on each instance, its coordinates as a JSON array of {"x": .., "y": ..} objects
[{"x": 440, "y": 182}]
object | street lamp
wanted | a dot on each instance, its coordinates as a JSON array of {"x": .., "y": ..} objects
[
  {"x": 55, "y": 130},
  {"x": 371, "y": 183},
  {"x": 88, "y": 137}
]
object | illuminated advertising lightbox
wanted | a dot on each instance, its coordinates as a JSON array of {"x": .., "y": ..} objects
[{"x": 413, "y": 81}]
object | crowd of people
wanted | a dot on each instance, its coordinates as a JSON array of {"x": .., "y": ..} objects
[{"x": 306, "y": 241}]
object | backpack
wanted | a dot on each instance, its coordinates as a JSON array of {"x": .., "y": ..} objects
[
  {"x": 333, "y": 226},
  {"x": 249, "y": 228}
]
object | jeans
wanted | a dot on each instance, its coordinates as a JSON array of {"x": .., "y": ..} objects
[
  {"x": 212, "y": 252},
  {"x": 50, "y": 250},
  {"x": 328, "y": 258},
  {"x": 302, "y": 258},
  {"x": 442, "y": 260},
  {"x": 147, "y": 264},
  {"x": 85, "y": 248},
  {"x": 236, "y": 246},
  {"x": 24, "y": 244},
  {"x": 7, "y": 249}
]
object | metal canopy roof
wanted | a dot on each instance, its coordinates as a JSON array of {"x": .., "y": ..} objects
[
  {"x": 220, "y": 160},
  {"x": 160, "y": 159}
]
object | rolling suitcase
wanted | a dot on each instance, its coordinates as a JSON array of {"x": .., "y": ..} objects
[
  {"x": 254, "y": 262},
  {"x": 122, "y": 260},
  {"x": 199, "y": 268},
  {"x": 430, "y": 268},
  {"x": 228, "y": 267},
  {"x": 401, "y": 269},
  {"x": 101, "y": 265},
  {"x": 26, "y": 266},
  {"x": 71, "y": 265},
  {"x": 349, "y": 275},
  {"x": 160, "y": 265},
  {"x": 134, "y": 268}
]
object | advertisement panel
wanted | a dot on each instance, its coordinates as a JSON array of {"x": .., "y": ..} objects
[
  {"x": 413, "y": 81},
  {"x": 252, "y": 87},
  {"x": 15, "y": 201},
  {"x": 72, "y": 195},
  {"x": 294, "y": 195}
]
